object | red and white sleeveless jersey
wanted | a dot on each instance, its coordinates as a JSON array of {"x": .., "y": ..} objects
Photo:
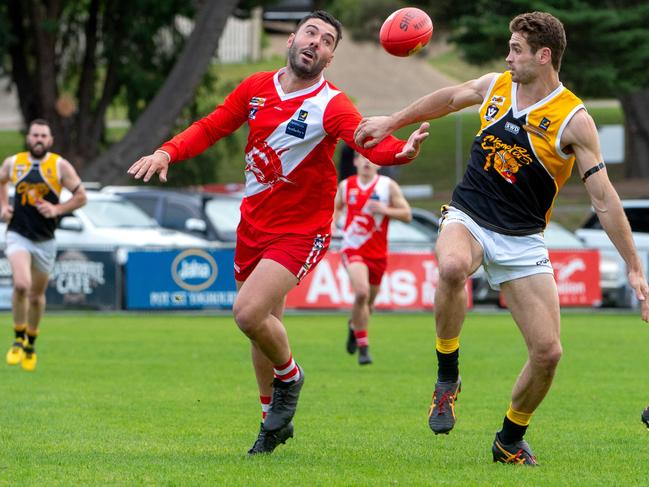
[
  {"x": 290, "y": 175},
  {"x": 366, "y": 232}
]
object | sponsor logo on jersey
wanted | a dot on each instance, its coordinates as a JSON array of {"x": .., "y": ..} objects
[
  {"x": 353, "y": 196},
  {"x": 296, "y": 129},
  {"x": 302, "y": 115},
  {"x": 492, "y": 111},
  {"x": 545, "y": 123},
  {"x": 257, "y": 101},
  {"x": 506, "y": 159},
  {"x": 30, "y": 193},
  {"x": 252, "y": 114},
  {"x": 21, "y": 169},
  {"x": 512, "y": 128},
  {"x": 498, "y": 99}
]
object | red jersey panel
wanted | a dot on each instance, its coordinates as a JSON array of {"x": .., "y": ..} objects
[
  {"x": 291, "y": 178},
  {"x": 365, "y": 232}
]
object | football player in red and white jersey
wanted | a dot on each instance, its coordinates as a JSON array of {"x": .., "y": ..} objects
[
  {"x": 295, "y": 118},
  {"x": 368, "y": 200}
]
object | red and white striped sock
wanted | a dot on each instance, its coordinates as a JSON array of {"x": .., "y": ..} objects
[
  {"x": 361, "y": 338},
  {"x": 288, "y": 372},
  {"x": 265, "y": 405}
]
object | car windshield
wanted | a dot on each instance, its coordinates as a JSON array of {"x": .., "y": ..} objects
[
  {"x": 224, "y": 213},
  {"x": 116, "y": 213},
  {"x": 412, "y": 232}
]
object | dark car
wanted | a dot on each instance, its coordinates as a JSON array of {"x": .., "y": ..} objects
[
  {"x": 211, "y": 216},
  {"x": 288, "y": 10}
]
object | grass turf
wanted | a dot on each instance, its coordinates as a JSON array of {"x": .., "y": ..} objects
[{"x": 171, "y": 400}]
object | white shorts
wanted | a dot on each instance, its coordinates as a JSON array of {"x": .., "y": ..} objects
[
  {"x": 505, "y": 257},
  {"x": 43, "y": 253}
]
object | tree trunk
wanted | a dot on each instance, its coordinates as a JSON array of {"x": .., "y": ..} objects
[
  {"x": 156, "y": 122},
  {"x": 636, "y": 136}
]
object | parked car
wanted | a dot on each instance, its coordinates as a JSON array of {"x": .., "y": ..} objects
[
  {"x": 110, "y": 221},
  {"x": 593, "y": 235},
  {"x": 288, "y": 10},
  {"x": 214, "y": 217}
]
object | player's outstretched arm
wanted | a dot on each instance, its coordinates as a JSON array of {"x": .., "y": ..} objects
[
  {"x": 435, "y": 105},
  {"x": 6, "y": 211},
  {"x": 145, "y": 167},
  {"x": 581, "y": 136}
]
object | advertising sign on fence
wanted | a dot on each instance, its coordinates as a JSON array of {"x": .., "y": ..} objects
[
  {"x": 180, "y": 279},
  {"x": 409, "y": 283},
  {"x": 80, "y": 279}
]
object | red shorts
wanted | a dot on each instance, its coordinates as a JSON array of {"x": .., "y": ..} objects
[
  {"x": 376, "y": 267},
  {"x": 298, "y": 253}
]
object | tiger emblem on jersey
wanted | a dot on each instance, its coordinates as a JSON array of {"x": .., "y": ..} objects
[
  {"x": 506, "y": 159},
  {"x": 264, "y": 163}
]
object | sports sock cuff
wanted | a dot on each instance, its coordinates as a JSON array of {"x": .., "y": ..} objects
[
  {"x": 22, "y": 327},
  {"x": 32, "y": 333},
  {"x": 518, "y": 417},
  {"x": 447, "y": 345}
]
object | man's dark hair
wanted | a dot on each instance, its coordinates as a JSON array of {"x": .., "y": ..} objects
[
  {"x": 39, "y": 121},
  {"x": 542, "y": 30},
  {"x": 325, "y": 17}
]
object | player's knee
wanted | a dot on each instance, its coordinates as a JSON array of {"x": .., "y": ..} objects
[
  {"x": 547, "y": 356},
  {"x": 362, "y": 295},
  {"x": 36, "y": 300},
  {"x": 21, "y": 287},
  {"x": 247, "y": 316},
  {"x": 453, "y": 272}
]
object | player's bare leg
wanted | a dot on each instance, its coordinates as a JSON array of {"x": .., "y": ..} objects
[
  {"x": 36, "y": 306},
  {"x": 360, "y": 284},
  {"x": 534, "y": 304},
  {"x": 458, "y": 256},
  {"x": 20, "y": 262},
  {"x": 259, "y": 296}
]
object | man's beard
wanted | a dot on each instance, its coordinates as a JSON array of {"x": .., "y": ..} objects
[
  {"x": 37, "y": 150},
  {"x": 302, "y": 71}
]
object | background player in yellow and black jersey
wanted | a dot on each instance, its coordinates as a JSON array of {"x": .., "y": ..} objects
[
  {"x": 38, "y": 177},
  {"x": 532, "y": 131}
]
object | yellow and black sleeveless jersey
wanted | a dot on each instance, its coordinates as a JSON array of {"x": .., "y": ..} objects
[
  {"x": 34, "y": 180},
  {"x": 517, "y": 166}
]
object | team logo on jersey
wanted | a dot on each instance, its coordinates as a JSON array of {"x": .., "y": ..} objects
[
  {"x": 302, "y": 115},
  {"x": 498, "y": 99},
  {"x": 21, "y": 170},
  {"x": 492, "y": 111},
  {"x": 506, "y": 159},
  {"x": 30, "y": 193},
  {"x": 264, "y": 163},
  {"x": 545, "y": 124},
  {"x": 296, "y": 128},
  {"x": 512, "y": 128}
]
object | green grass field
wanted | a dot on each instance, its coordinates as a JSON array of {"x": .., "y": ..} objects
[{"x": 171, "y": 400}]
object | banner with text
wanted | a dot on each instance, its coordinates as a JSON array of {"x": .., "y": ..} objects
[
  {"x": 180, "y": 279},
  {"x": 80, "y": 279},
  {"x": 576, "y": 273},
  {"x": 409, "y": 283}
]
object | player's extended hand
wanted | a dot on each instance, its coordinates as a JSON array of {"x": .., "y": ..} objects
[
  {"x": 6, "y": 213},
  {"x": 411, "y": 149},
  {"x": 147, "y": 166},
  {"x": 47, "y": 209},
  {"x": 372, "y": 130},
  {"x": 639, "y": 284}
]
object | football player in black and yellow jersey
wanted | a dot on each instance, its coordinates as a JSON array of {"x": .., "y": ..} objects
[
  {"x": 38, "y": 177},
  {"x": 532, "y": 131}
]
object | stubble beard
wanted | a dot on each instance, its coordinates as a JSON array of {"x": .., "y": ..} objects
[{"x": 302, "y": 71}]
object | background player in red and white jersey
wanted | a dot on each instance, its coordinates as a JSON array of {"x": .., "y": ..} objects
[
  {"x": 295, "y": 118},
  {"x": 368, "y": 201}
]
